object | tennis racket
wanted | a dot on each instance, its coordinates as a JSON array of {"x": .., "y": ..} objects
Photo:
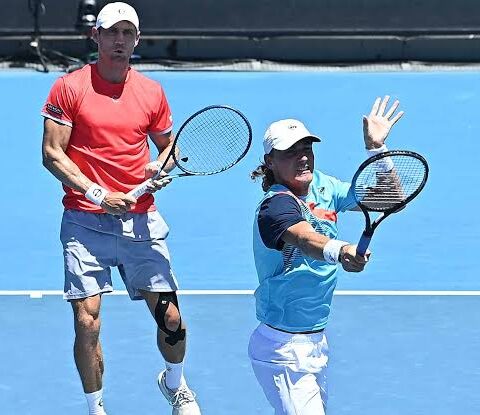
[
  {"x": 385, "y": 183},
  {"x": 210, "y": 141}
]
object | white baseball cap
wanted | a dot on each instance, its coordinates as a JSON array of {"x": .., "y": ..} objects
[
  {"x": 116, "y": 12},
  {"x": 285, "y": 133}
]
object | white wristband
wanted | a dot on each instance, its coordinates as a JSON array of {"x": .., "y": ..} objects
[
  {"x": 383, "y": 165},
  {"x": 331, "y": 250},
  {"x": 96, "y": 194},
  {"x": 374, "y": 151}
]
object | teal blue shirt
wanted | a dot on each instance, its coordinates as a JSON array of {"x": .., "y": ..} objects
[{"x": 295, "y": 291}]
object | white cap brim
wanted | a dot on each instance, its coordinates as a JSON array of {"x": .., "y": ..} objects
[{"x": 282, "y": 146}]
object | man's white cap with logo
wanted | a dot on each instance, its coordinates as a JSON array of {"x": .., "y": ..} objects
[
  {"x": 116, "y": 12},
  {"x": 285, "y": 133}
]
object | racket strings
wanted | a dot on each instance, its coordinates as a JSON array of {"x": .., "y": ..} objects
[
  {"x": 382, "y": 190},
  {"x": 199, "y": 156},
  {"x": 213, "y": 141}
]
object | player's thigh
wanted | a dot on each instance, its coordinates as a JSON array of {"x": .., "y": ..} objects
[
  {"x": 291, "y": 370},
  {"x": 289, "y": 392},
  {"x": 145, "y": 260},
  {"x": 88, "y": 255}
]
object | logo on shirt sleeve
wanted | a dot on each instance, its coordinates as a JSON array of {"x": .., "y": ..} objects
[{"x": 54, "y": 109}]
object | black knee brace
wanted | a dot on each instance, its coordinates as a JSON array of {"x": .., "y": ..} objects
[{"x": 173, "y": 337}]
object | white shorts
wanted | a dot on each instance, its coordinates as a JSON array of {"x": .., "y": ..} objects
[
  {"x": 133, "y": 242},
  {"x": 291, "y": 368}
]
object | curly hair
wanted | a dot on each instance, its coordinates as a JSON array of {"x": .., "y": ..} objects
[{"x": 266, "y": 174}]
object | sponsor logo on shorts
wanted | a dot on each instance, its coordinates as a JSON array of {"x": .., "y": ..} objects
[{"x": 53, "y": 109}]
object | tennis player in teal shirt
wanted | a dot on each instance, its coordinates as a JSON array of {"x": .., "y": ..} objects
[{"x": 297, "y": 254}]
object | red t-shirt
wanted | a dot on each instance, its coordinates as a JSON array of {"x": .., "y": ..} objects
[{"x": 110, "y": 123}]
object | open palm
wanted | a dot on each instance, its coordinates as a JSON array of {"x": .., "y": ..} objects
[{"x": 379, "y": 122}]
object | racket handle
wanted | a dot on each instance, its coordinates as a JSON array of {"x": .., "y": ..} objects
[
  {"x": 140, "y": 190},
  {"x": 362, "y": 245}
]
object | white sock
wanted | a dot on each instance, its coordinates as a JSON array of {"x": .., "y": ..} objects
[
  {"x": 174, "y": 376},
  {"x": 95, "y": 403}
]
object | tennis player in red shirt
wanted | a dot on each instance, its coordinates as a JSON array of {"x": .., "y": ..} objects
[{"x": 96, "y": 128}]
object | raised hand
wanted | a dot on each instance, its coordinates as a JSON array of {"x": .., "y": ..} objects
[{"x": 377, "y": 125}]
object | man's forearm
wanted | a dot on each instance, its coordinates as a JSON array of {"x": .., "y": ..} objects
[
  {"x": 163, "y": 156},
  {"x": 312, "y": 244},
  {"x": 65, "y": 170}
]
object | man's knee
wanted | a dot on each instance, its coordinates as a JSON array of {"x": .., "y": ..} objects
[
  {"x": 87, "y": 319},
  {"x": 87, "y": 328},
  {"x": 168, "y": 318}
]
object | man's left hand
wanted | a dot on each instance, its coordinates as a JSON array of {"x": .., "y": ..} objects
[
  {"x": 151, "y": 170},
  {"x": 379, "y": 122}
]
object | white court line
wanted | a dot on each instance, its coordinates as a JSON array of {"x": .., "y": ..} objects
[
  {"x": 409, "y": 292},
  {"x": 42, "y": 293}
]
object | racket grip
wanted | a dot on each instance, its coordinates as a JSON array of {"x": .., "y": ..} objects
[
  {"x": 140, "y": 190},
  {"x": 363, "y": 243}
]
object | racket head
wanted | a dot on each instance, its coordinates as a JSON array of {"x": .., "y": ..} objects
[
  {"x": 379, "y": 190},
  {"x": 212, "y": 140}
]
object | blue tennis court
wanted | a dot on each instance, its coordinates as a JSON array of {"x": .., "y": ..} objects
[{"x": 403, "y": 334}]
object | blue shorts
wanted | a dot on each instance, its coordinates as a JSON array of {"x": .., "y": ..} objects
[{"x": 133, "y": 242}]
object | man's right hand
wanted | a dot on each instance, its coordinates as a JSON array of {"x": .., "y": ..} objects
[
  {"x": 351, "y": 262},
  {"x": 118, "y": 203}
]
